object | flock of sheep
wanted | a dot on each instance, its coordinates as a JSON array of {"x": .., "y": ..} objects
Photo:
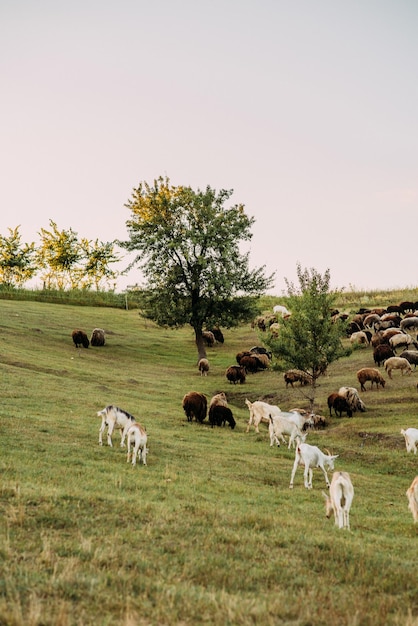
[
  {"x": 386, "y": 331},
  {"x": 368, "y": 327}
]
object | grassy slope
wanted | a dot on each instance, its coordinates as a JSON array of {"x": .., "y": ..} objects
[{"x": 208, "y": 532}]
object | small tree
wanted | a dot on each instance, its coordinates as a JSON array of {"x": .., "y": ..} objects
[
  {"x": 309, "y": 339},
  {"x": 59, "y": 255},
  {"x": 188, "y": 249},
  {"x": 16, "y": 259},
  {"x": 98, "y": 257}
]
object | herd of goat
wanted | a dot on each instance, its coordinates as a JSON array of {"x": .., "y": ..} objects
[{"x": 385, "y": 330}]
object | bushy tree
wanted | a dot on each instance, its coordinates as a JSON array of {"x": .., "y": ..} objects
[
  {"x": 309, "y": 340},
  {"x": 188, "y": 249},
  {"x": 58, "y": 257},
  {"x": 16, "y": 259},
  {"x": 97, "y": 260}
]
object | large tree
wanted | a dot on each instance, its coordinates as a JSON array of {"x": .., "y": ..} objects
[
  {"x": 309, "y": 339},
  {"x": 188, "y": 246}
]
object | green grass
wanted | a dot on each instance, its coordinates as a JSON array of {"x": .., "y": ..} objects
[{"x": 208, "y": 532}]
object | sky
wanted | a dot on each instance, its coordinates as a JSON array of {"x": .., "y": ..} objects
[{"x": 306, "y": 109}]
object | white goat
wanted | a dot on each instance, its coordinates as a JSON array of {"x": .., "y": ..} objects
[
  {"x": 412, "y": 495},
  {"x": 411, "y": 439},
  {"x": 260, "y": 412},
  {"x": 136, "y": 435},
  {"x": 339, "y": 499},
  {"x": 311, "y": 457},
  {"x": 279, "y": 425},
  {"x": 114, "y": 418}
]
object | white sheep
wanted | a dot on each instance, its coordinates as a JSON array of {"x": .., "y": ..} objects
[
  {"x": 203, "y": 367},
  {"x": 397, "y": 363}
]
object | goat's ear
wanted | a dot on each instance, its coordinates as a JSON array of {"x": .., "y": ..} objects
[{"x": 335, "y": 456}]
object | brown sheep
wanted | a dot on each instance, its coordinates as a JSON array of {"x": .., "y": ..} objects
[
  {"x": 97, "y": 337},
  {"x": 251, "y": 363},
  {"x": 373, "y": 375},
  {"x": 195, "y": 406},
  {"x": 295, "y": 375},
  {"x": 203, "y": 367},
  {"x": 236, "y": 374},
  {"x": 80, "y": 338},
  {"x": 381, "y": 353},
  {"x": 208, "y": 338},
  {"x": 339, "y": 404}
]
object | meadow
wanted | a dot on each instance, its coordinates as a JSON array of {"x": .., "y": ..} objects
[{"x": 209, "y": 531}]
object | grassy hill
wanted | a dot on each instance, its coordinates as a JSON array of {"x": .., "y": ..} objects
[{"x": 208, "y": 532}]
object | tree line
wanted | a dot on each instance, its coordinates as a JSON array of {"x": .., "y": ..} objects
[{"x": 62, "y": 260}]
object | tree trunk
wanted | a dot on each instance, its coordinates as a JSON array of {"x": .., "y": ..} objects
[{"x": 200, "y": 344}]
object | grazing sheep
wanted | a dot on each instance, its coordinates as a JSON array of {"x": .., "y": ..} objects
[
  {"x": 397, "y": 363},
  {"x": 217, "y": 333},
  {"x": 411, "y": 356},
  {"x": 381, "y": 353},
  {"x": 409, "y": 324},
  {"x": 402, "y": 340},
  {"x": 352, "y": 396},
  {"x": 295, "y": 375},
  {"x": 80, "y": 338},
  {"x": 219, "y": 415},
  {"x": 236, "y": 374},
  {"x": 373, "y": 375},
  {"x": 251, "y": 363},
  {"x": 261, "y": 350},
  {"x": 241, "y": 354},
  {"x": 97, "y": 338},
  {"x": 263, "y": 361},
  {"x": 412, "y": 495},
  {"x": 195, "y": 406},
  {"x": 359, "y": 337},
  {"x": 339, "y": 404},
  {"x": 208, "y": 338},
  {"x": 203, "y": 367},
  {"x": 411, "y": 439},
  {"x": 218, "y": 399},
  {"x": 406, "y": 305}
]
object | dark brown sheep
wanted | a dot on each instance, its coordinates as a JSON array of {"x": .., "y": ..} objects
[
  {"x": 381, "y": 353},
  {"x": 251, "y": 363},
  {"x": 236, "y": 374},
  {"x": 80, "y": 338},
  {"x": 339, "y": 404},
  {"x": 195, "y": 406},
  {"x": 219, "y": 415}
]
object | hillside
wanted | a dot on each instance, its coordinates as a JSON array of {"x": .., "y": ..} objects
[{"x": 208, "y": 532}]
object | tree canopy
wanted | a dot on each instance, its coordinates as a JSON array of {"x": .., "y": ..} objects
[{"x": 188, "y": 245}]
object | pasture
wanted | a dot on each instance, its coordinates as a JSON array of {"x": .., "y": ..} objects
[{"x": 208, "y": 532}]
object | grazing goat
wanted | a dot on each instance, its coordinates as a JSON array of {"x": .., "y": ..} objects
[
  {"x": 80, "y": 338},
  {"x": 295, "y": 375},
  {"x": 114, "y": 418},
  {"x": 203, "y": 367},
  {"x": 370, "y": 374},
  {"x": 137, "y": 438},
  {"x": 279, "y": 309},
  {"x": 195, "y": 406},
  {"x": 339, "y": 499},
  {"x": 97, "y": 337},
  {"x": 260, "y": 412},
  {"x": 279, "y": 426},
  {"x": 397, "y": 363},
  {"x": 411, "y": 439},
  {"x": 412, "y": 495},
  {"x": 311, "y": 457},
  {"x": 236, "y": 374}
]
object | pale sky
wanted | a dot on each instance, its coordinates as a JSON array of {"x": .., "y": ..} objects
[{"x": 307, "y": 109}]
